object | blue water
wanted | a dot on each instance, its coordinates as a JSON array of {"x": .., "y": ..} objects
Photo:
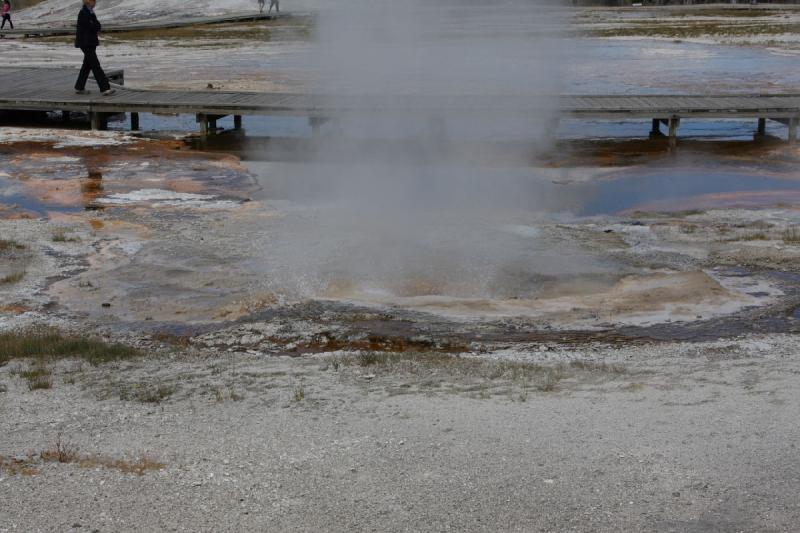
[
  {"x": 642, "y": 186},
  {"x": 14, "y": 198}
]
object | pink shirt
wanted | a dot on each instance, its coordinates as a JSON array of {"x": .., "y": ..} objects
[{"x": 6, "y": 9}]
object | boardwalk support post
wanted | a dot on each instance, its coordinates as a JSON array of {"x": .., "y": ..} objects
[
  {"x": 98, "y": 120},
  {"x": 237, "y": 122},
  {"x": 655, "y": 129},
  {"x": 203, "y": 121},
  {"x": 208, "y": 123},
  {"x": 793, "y": 130},
  {"x": 316, "y": 123},
  {"x": 673, "y": 123},
  {"x": 134, "y": 121},
  {"x": 761, "y": 130}
]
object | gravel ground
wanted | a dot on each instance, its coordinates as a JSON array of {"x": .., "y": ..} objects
[{"x": 678, "y": 437}]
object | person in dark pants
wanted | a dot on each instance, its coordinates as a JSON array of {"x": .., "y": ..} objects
[
  {"x": 86, "y": 39},
  {"x": 6, "y": 14}
]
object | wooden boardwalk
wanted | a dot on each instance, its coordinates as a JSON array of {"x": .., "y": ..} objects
[
  {"x": 51, "y": 89},
  {"x": 157, "y": 24}
]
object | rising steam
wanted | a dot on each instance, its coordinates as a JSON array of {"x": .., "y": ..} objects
[{"x": 402, "y": 213}]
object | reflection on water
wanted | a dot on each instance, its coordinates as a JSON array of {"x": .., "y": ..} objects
[
  {"x": 92, "y": 188},
  {"x": 679, "y": 189},
  {"x": 37, "y": 180},
  {"x": 543, "y": 191}
]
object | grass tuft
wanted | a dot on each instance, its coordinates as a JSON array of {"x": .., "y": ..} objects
[
  {"x": 60, "y": 235},
  {"x": 791, "y": 235},
  {"x": 61, "y": 451},
  {"x": 151, "y": 394},
  {"x": 372, "y": 358},
  {"x": 298, "y": 394},
  {"x": 755, "y": 236},
  {"x": 49, "y": 342},
  {"x": 592, "y": 366},
  {"x": 226, "y": 393},
  {"x": 549, "y": 381},
  {"x": 64, "y": 452},
  {"x": 39, "y": 376},
  {"x": 14, "y": 466},
  {"x": 10, "y": 245},
  {"x": 14, "y": 277}
]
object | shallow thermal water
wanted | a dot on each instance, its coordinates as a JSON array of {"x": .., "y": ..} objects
[
  {"x": 552, "y": 192},
  {"x": 470, "y": 240}
]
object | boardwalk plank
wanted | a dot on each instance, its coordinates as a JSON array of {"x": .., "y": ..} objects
[{"x": 51, "y": 89}]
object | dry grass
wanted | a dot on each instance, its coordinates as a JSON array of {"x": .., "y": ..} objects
[
  {"x": 298, "y": 394},
  {"x": 10, "y": 245},
  {"x": 755, "y": 236},
  {"x": 14, "y": 277},
  {"x": 51, "y": 343},
  {"x": 222, "y": 394},
  {"x": 791, "y": 235},
  {"x": 549, "y": 381},
  {"x": 39, "y": 376},
  {"x": 431, "y": 366},
  {"x": 60, "y": 235},
  {"x": 64, "y": 452},
  {"x": 147, "y": 393},
  {"x": 181, "y": 341},
  {"x": 593, "y": 366},
  {"x": 61, "y": 452},
  {"x": 18, "y": 466}
]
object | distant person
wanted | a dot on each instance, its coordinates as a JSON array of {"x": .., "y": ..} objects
[
  {"x": 6, "y": 14},
  {"x": 275, "y": 3},
  {"x": 260, "y": 6},
  {"x": 86, "y": 39}
]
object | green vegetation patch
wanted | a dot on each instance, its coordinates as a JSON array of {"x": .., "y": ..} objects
[
  {"x": 51, "y": 343},
  {"x": 10, "y": 245},
  {"x": 14, "y": 277}
]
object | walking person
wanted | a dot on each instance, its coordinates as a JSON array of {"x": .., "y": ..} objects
[
  {"x": 86, "y": 39},
  {"x": 277, "y": 5},
  {"x": 260, "y": 6},
  {"x": 6, "y": 14}
]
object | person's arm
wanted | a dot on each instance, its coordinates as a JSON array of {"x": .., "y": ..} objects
[{"x": 95, "y": 23}]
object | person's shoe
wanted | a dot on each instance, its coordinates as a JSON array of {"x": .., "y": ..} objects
[
  {"x": 109, "y": 92},
  {"x": 81, "y": 91}
]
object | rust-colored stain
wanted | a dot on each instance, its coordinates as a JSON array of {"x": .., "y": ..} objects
[
  {"x": 374, "y": 343},
  {"x": 47, "y": 179},
  {"x": 14, "y": 309}
]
